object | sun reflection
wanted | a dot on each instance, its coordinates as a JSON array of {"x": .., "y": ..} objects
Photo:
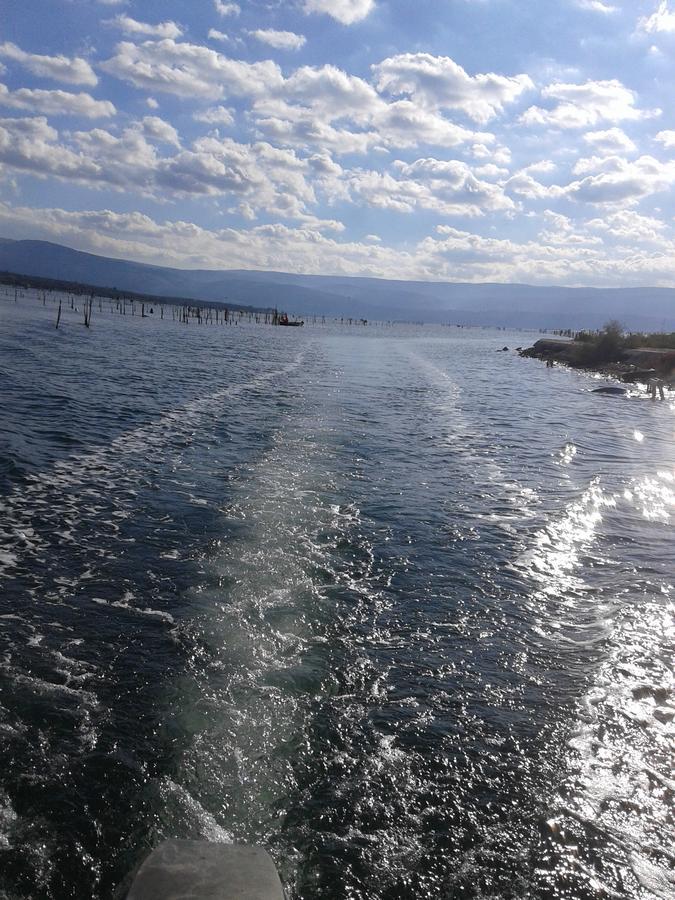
[
  {"x": 557, "y": 546},
  {"x": 617, "y": 790},
  {"x": 567, "y": 454},
  {"x": 655, "y": 498}
]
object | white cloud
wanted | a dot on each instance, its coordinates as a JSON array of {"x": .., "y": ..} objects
[
  {"x": 594, "y": 164},
  {"x": 455, "y": 244},
  {"x": 615, "y": 181},
  {"x": 662, "y": 20},
  {"x": 211, "y": 171},
  {"x": 628, "y": 225},
  {"x": 596, "y": 6},
  {"x": 523, "y": 184},
  {"x": 447, "y": 187},
  {"x": 215, "y": 35},
  {"x": 190, "y": 70},
  {"x": 56, "y": 103},
  {"x": 59, "y": 68},
  {"x": 29, "y": 145},
  {"x": 563, "y": 231},
  {"x": 382, "y": 126},
  {"x": 330, "y": 92},
  {"x": 302, "y": 124},
  {"x": 303, "y": 109},
  {"x": 137, "y": 236},
  {"x": 490, "y": 170},
  {"x": 132, "y": 26},
  {"x": 667, "y": 138},
  {"x": 302, "y": 128},
  {"x": 498, "y": 154},
  {"x": 299, "y": 110},
  {"x": 216, "y": 115},
  {"x": 258, "y": 176},
  {"x": 543, "y": 166},
  {"x": 280, "y": 40},
  {"x": 348, "y": 12},
  {"x": 451, "y": 254},
  {"x": 265, "y": 177},
  {"x": 611, "y": 141},
  {"x": 564, "y": 261},
  {"x": 325, "y": 166},
  {"x": 438, "y": 82},
  {"x": 227, "y": 9},
  {"x": 583, "y": 105},
  {"x": 156, "y": 129},
  {"x": 404, "y": 124}
]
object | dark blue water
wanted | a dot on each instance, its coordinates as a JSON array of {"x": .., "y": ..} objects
[{"x": 395, "y": 606}]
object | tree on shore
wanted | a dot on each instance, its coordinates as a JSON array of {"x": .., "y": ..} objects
[{"x": 603, "y": 347}]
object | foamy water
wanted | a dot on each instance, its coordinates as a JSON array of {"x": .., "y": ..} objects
[{"x": 393, "y": 606}]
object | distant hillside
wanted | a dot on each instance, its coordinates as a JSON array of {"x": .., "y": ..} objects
[{"x": 518, "y": 305}]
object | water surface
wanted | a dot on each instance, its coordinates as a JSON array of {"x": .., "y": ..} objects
[{"x": 391, "y": 604}]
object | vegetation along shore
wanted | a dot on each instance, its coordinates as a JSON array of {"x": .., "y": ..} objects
[{"x": 632, "y": 358}]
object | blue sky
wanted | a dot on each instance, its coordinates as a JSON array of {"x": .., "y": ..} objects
[{"x": 478, "y": 140}]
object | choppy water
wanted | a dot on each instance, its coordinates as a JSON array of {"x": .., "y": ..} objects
[{"x": 393, "y": 606}]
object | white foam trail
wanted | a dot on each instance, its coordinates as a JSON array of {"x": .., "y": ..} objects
[
  {"x": 46, "y": 688},
  {"x": 458, "y": 434},
  {"x": 255, "y": 645},
  {"x": 8, "y": 819},
  {"x": 206, "y": 824},
  {"x": 67, "y": 491},
  {"x": 136, "y": 610}
]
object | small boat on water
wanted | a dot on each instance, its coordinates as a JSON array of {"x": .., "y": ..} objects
[{"x": 282, "y": 319}]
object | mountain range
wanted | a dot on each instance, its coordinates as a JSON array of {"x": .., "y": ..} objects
[{"x": 509, "y": 305}]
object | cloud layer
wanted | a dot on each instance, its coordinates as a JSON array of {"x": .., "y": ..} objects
[{"x": 345, "y": 136}]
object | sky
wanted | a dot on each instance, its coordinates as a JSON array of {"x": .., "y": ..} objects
[{"x": 460, "y": 140}]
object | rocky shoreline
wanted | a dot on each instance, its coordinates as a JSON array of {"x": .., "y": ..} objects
[{"x": 636, "y": 365}]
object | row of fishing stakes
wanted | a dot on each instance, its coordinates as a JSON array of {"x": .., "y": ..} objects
[{"x": 183, "y": 313}]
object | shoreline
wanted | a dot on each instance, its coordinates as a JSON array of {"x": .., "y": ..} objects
[{"x": 650, "y": 366}]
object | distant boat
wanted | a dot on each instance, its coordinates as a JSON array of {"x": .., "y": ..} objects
[{"x": 284, "y": 320}]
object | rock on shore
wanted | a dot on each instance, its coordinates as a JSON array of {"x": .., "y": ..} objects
[{"x": 635, "y": 364}]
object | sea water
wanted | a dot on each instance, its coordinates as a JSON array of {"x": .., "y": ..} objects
[{"x": 393, "y": 605}]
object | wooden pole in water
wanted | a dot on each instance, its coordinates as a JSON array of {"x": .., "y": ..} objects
[
  {"x": 58, "y": 315},
  {"x": 88, "y": 305}
]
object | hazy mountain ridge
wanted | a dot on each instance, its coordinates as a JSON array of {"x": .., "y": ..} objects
[{"x": 338, "y": 295}]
